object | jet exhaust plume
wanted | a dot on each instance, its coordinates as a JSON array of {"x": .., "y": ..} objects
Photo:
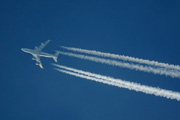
[
  {"x": 122, "y": 57},
  {"x": 119, "y": 83},
  {"x": 149, "y": 69}
]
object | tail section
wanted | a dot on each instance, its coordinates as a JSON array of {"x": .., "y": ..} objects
[{"x": 56, "y": 56}]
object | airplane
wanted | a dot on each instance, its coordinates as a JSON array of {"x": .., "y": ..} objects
[{"x": 37, "y": 53}]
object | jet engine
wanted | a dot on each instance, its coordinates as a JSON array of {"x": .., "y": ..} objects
[{"x": 37, "y": 64}]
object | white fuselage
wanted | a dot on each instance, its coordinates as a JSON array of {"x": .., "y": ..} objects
[{"x": 36, "y": 53}]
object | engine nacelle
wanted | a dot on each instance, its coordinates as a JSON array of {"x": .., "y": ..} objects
[{"x": 37, "y": 64}]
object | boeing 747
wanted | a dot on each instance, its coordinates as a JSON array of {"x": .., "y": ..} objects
[{"x": 37, "y": 53}]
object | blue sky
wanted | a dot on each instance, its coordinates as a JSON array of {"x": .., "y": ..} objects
[{"x": 143, "y": 29}]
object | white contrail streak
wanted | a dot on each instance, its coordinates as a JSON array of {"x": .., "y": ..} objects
[
  {"x": 149, "y": 69},
  {"x": 122, "y": 57},
  {"x": 119, "y": 83}
]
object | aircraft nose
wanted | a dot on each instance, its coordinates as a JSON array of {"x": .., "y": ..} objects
[{"x": 22, "y": 49}]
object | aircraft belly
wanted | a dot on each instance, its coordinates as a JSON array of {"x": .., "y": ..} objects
[{"x": 46, "y": 55}]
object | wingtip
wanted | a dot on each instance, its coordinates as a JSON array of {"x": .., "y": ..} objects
[{"x": 48, "y": 41}]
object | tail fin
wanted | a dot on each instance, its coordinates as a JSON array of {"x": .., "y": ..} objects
[{"x": 56, "y": 56}]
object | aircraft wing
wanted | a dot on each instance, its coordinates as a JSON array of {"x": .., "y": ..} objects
[
  {"x": 39, "y": 49},
  {"x": 37, "y": 59},
  {"x": 40, "y": 65}
]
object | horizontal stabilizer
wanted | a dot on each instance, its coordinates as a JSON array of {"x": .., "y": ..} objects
[{"x": 56, "y": 56}]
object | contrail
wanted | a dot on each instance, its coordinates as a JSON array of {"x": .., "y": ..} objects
[
  {"x": 119, "y": 83},
  {"x": 149, "y": 69},
  {"x": 122, "y": 57}
]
